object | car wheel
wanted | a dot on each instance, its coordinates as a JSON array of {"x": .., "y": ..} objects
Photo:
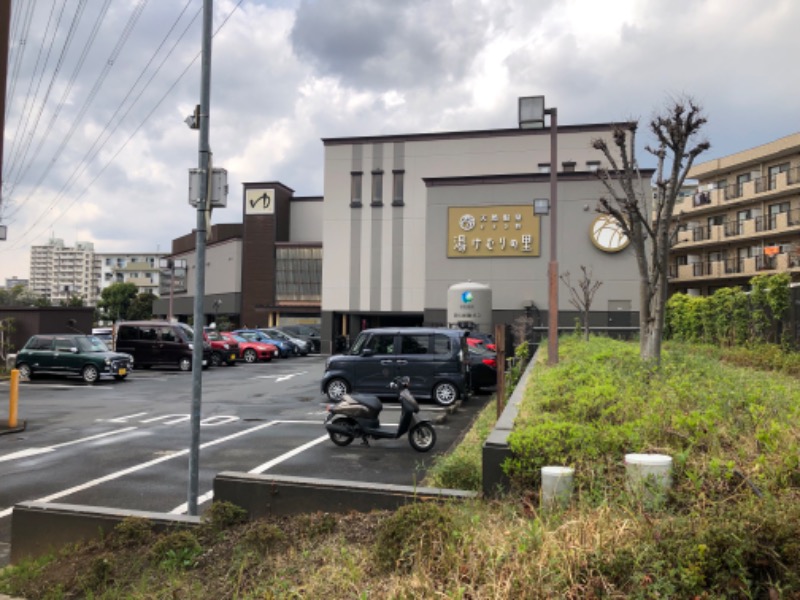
[
  {"x": 336, "y": 388},
  {"x": 185, "y": 364},
  {"x": 445, "y": 394},
  {"x": 90, "y": 374},
  {"x": 250, "y": 355},
  {"x": 216, "y": 359},
  {"x": 25, "y": 371}
]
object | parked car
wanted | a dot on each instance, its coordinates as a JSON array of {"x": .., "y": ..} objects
[
  {"x": 301, "y": 347},
  {"x": 308, "y": 333},
  {"x": 222, "y": 351},
  {"x": 478, "y": 339},
  {"x": 71, "y": 354},
  {"x": 436, "y": 360},
  {"x": 256, "y": 335},
  {"x": 251, "y": 351},
  {"x": 105, "y": 334},
  {"x": 482, "y": 368},
  {"x": 159, "y": 343}
]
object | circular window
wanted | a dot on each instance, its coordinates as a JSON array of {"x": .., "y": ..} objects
[{"x": 607, "y": 234}]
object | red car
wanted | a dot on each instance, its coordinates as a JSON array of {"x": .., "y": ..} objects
[
  {"x": 251, "y": 351},
  {"x": 479, "y": 343},
  {"x": 223, "y": 351}
]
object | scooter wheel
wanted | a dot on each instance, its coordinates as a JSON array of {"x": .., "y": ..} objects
[
  {"x": 341, "y": 439},
  {"x": 422, "y": 437}
]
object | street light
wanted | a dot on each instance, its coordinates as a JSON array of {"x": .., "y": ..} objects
[
  {"x": 531, "y": 116},
  {"x": 171, "y": 264}
]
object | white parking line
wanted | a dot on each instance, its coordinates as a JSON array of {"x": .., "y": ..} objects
[
  {"x": 139, "y": 467},
  {"x": 35, "y": 451},
  {"x": 179, "y": 510}
]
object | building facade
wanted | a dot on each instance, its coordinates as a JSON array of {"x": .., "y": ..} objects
[
  {"x": 397, "y": 206},
  {"x": 142, "y": 270},
  {"x": 743, "y": 220},
  {"x": 59, "y": 272}
]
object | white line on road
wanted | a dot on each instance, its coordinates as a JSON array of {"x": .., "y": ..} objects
[
  {"x": 179, "y": 510},
  {"x": 139, "y": 467},
  {"x": 35, "y": 451},
  {"x": 123, "y": 419}
]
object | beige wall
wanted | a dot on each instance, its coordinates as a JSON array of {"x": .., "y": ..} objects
[{"x": 349, "y": 235}]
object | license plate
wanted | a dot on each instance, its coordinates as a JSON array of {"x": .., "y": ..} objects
[
  {"x": 233, "y": 357},
  {"x": 205, "y": 362},
  {"x": 123, "y": 371}
]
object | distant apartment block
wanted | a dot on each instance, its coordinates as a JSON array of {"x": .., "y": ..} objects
[
  {"x": 59, "y": 272},
  {"x": 743, "y": 219},
  {"x": 12, "y": 282},
  {"x": 141, "y": 270}
]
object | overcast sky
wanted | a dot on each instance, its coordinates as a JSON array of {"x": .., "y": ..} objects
[{"x": 96, "y": 148}]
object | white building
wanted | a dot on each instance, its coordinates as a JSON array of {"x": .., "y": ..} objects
[
  {"x": 140, "y": 269},
  {"x": 59, "y": 272}
]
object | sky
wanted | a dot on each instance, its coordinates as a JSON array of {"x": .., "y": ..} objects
[{"x": 96, "y": 148}]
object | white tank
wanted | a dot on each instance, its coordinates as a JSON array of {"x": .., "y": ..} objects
[{"x": 469, "y": 306}]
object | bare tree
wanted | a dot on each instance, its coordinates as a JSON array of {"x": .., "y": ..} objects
[
  {"x": 582, "y": 296},
  {"x": 645, "y": 213}
]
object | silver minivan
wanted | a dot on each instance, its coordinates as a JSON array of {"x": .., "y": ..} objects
[{"x": 435, "y": 359}]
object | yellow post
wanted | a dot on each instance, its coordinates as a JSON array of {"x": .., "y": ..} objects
[{"x": 12, "y": 408}]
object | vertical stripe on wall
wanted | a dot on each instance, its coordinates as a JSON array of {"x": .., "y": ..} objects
[
  {"x": 355, "y": 236},
  {"x": 398, "y": 163},
  {"x": 376, "y": 258}
]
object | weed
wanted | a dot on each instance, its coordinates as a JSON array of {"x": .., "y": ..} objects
[
  {"x": 416, "y": 533},
  {"x": 263, "y": 537},
  {"x": 131, "y": 531},
  {"x": 177, "y": 550},
  {"x": 223, "y": 515}
]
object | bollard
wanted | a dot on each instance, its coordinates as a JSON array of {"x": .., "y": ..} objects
[
  {"x": 557, "y": 486},
  {"x": 13, "y": 398}
]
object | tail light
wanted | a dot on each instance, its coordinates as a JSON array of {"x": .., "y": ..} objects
[{"x": 491, "y": 362}]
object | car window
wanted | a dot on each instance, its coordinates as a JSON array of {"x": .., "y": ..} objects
[
  {"x": 381, "y": 344},
  {"x": 442, "y": 344},
  {"x": 167, "y": 334},
  {"x": 91, "y": 344},
  {"x": 63, "y": 344},
  {"x": 40, "y": 343},
  {"x": 188, "y": 332},
  {"x": 414, "y": 344}
]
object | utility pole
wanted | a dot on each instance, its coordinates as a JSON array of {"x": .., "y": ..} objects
[
  {"x": 5, "y": 26},
  {"x": 204, "y": 164}
]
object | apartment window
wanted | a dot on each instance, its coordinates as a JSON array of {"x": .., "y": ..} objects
[
  {"x": 397, "y": 188},
  {"x": 544, "y": 167},
  {"x": 356, "y": 183},
  {"x": 593, "y": 165},
  {"x": 773, "y": 173},
  {"x": 716, "y": 220},
  {"x": 377, "y": 187},
  {"x": 775, "y": 210},
  {"x": 108, "y": 262},
  {"x": 740, "y": 181}
]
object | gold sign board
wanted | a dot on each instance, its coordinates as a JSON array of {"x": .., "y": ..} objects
[{"x": 501, "y": 231}]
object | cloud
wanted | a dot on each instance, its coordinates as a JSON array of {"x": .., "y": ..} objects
[{"x": 110, "y": 164}]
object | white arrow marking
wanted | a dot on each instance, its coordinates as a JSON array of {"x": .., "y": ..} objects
[
  {"x": 180, "y": 419},
  {"x": 217, "y": 420},
  {"x": 123, "y": 419}
]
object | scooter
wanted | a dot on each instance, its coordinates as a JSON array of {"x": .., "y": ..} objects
[{"x": 357, "y": 415}]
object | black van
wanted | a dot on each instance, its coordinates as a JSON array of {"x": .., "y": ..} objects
[
  {"x": 159, "y": 343},
  {"x": 436, "y": 360}
]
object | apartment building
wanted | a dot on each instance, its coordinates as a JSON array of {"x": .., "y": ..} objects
[
  {"x": 743, "y": 219},
  {"x": 59, "y": 272},
  {"x": 140, "y": 269}
]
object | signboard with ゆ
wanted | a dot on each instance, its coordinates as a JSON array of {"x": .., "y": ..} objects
[
  {"x": 259, "y": 201},
  {"x": 492, "y": 231}
]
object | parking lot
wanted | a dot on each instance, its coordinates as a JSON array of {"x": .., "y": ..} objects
[{"x": 126, "y": 444}]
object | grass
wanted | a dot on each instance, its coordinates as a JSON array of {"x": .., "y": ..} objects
[{"x": 729, "y": 527}]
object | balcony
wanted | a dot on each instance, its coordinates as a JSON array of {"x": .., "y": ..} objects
[{"x": 759, "y": 188}]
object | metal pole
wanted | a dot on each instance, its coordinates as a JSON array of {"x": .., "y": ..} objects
[
  {"x": 552, "y": 310},
  {"x": 200, "y": 288},
  {"x": 171, "y": 286}
]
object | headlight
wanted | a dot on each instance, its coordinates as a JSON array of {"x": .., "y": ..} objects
[
  {"x": 108, "y": 360},
  {"x": 191, "y": 346},
  {"x": 226, "y": 346}
]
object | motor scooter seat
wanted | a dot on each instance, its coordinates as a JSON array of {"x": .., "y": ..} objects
[{"x": 371, "y": 402}]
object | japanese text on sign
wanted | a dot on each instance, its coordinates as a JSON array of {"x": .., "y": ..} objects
[{"x": 485, "y": 231}]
